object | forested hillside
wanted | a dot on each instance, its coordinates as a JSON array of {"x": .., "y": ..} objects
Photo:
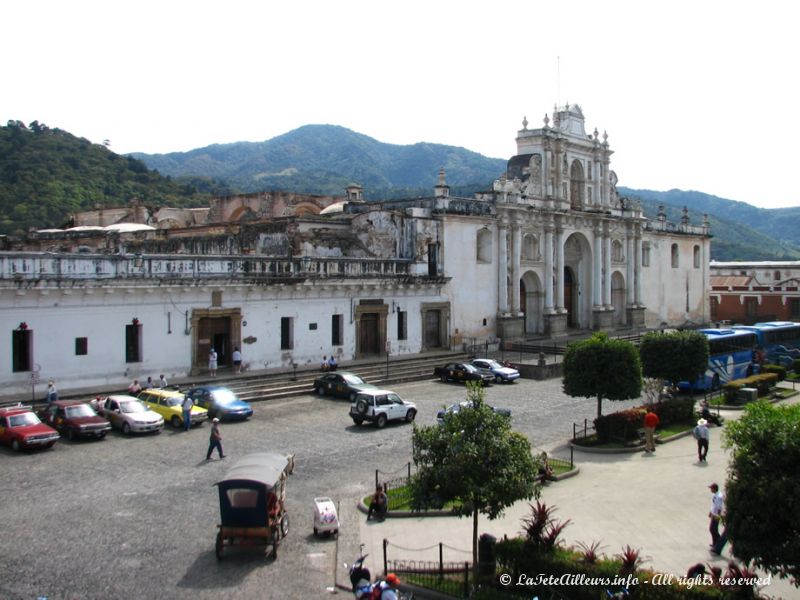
[{"x": 47, "y": 174}]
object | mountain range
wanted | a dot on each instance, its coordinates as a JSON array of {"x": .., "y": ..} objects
[{"x": 47, "y": 174}]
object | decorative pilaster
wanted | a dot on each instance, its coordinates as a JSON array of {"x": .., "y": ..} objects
[
  {"x": 502, "y": 269},
  {"x": 548, "y": 269},
  {"x": 560, "y": 270},
  {"x": 516, "y": 251}
]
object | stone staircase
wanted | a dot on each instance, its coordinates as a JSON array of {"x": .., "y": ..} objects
[{"x": 285, "y": 384}]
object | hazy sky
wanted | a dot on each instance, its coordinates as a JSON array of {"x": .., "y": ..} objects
[{"x": 694, "y": 95}]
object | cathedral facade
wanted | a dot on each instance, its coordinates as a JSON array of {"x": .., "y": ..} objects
[{"x": 550, "y": 250}]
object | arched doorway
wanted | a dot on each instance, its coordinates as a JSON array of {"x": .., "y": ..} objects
[
  {"x": 578, "y": 281},
  {"x": 569, "y": 301},
  {"x": 532, "y": 302},
  {"x": 618, "y": 297}
]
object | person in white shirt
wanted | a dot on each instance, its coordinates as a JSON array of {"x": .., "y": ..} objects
[
  {"x": 162, "y": 381},
  {"x": 715, "y": 514},
  {"x": 187, "y": 412}
]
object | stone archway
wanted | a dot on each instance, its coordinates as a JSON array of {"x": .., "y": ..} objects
[
  {"x": 578, "y": 259},
  {"x": 532, "y": 302}
]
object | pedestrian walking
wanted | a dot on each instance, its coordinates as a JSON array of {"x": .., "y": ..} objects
[
  {"x": 703, "y": 436},
  {"x": 650, "y": 423},
  {"x": 237, "y": 360},
  {"x": 215, "y": 440},
  {"x": 187, "y": 412},
  {"x": 52, "y": 392},
  {"x": 212, "y": 363},
  {"x": 162, "y": 381},
  {"x": 715, "y": 515}
]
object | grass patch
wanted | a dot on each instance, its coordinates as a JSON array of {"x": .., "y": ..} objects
[
  {"x": 400, "y": 499},
  {"x": 676, "y": 428}
]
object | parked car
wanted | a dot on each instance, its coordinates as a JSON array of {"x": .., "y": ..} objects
[
  {"x": 130, "y": 415},
  {"x": 381, "y": 406},
  {"x": 501, "y": 373},
  {"x": 21, "y": 428},
  {"x": 462, "y": 372},
  {"x": 75, "y": 419},
  {"x": 454, "y": 408},
  {"x": 169, "y": 404},
  {"x": 220, "y": 402},
  {"x": 341, "y": 383}
]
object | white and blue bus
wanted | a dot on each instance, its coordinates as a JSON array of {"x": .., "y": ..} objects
[
  {"x": 778, "y": 340},
  {"x": 730, "y": 356}
]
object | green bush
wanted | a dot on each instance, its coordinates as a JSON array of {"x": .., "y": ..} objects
[
  {"x": 777, "y": 369},
  {"x": 675, "y": 410},
  {"x": 796, "y": 365},
  {"x": 621, "y": 425},
  {"x": 763, "y": 382}
]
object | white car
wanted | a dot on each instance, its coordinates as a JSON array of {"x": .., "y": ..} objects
[
  {"x": 500, "y": 373},
  {"x": 380, "y": 407},
  {"x": 130, "y": 415}
]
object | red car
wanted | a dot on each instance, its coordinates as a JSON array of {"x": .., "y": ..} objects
[
  {"x": 75, "y": 419},
  {"x": 21, "y": 428}
]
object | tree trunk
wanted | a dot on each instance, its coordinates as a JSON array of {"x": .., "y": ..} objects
[
  {"x": 475, "y": 546},
  {"x": 599, "y": 406}
]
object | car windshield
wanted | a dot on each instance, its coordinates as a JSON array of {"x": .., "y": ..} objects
[
  {"x": 172, "y": 401},
  {"x": 23, "y": 419},
  {"x": 224, "y": 396},
  {"x": 353, "y": 379},
  {"x": 132, "y": 407},
  {"x": 79, "y": 410}
]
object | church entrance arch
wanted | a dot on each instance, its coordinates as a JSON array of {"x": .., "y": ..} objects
[
  {"x": 532, "y": 302},
  {"x": 577, "y": 279},
  {"x": 219, "y": 329},
  {"x": 618, "y": 297}
]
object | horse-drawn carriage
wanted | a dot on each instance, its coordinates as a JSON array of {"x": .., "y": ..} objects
[{"x": 251, "y": 503}]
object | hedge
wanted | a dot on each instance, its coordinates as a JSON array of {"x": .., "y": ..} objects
[{"x": 762, "y": 382}]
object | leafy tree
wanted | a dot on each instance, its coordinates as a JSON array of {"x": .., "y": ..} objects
[
  {"x": 475, "y": 461},
  {"x": 603, "y": 368},
  {"x": 674, "y": 356},
  {"x": 765, "y": 474}
]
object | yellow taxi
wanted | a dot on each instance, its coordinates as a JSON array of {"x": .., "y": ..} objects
[{"x": 169, "y": 404}]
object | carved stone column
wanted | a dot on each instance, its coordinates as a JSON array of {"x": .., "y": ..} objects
[
  {"x": 560, "y": 270},
  {"x": 597, "y": 264},
  {"x": 630, "y": 260},
  {"x": 607, "y": 270},
  {"x": 502, "y": 270},
  {"x": 548, "y": 269}
]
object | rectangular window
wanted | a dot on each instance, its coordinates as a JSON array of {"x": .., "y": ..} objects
[
  {"x": 402, "y": 325},
  {"x": 22, "y": 350},
  {"x": 433, "y": 260},
  {"x": 645, "y": 255},
  {"x": 337, "y": 336},
  {"x": 81, "y": 346},
  {"x": 133, "y": 343},
  {"x": 287, "y": 333}
]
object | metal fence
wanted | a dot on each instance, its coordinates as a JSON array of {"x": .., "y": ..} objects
[{"x": 398, "y": 483}]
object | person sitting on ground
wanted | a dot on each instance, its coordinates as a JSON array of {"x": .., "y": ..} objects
[
  {"x": 545, "y": 470},
  {"x": 332, "y": 364},
  {"x": 705, "y": 412},
  {"x": 134, "y": 388},
  {"x": 378, "y": 504},
  {"x": 324, "y": 364}
]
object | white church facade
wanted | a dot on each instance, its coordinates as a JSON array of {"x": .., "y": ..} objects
[{"x": 551, "y": 249}]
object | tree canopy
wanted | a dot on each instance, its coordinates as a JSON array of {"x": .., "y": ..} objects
[
  {"x": 473, "y": 460},
  {"x": 763, "y": 487},
  {"x": 602, "y": 368},
  {"x": 674, "y": 356}
]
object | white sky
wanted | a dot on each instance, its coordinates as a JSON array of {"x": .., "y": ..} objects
[{"x": 694, "y": 94}]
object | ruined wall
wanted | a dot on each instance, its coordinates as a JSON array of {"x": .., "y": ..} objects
[{"x": 266, "y": 205}]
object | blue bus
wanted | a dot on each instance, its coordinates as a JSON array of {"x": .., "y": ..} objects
[
  {"x": 778, "y": 340},
  {"x": 730, "y": 356}
]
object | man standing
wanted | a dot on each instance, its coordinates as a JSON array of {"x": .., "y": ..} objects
[
  {"x": 52, "y": 393},
  {"x": 702, "y": 435},
  {"x": 162, "y": 382},
  {"x": 650, "y": 423},
  {"x": 215, "y": 440},
  {"x": 715, "y": 514},
  {"x": 237, "y": 360},
  {"x": 187, "y": 412}
]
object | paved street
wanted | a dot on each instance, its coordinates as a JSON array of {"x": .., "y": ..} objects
[{"x": 136, "y": 517}]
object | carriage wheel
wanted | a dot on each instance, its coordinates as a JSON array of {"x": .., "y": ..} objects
[
  {"x": 284, "y": 525},
  {"x": 219, "y": 545}
]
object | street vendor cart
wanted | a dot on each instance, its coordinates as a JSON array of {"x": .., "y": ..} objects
[{"x": 251, "y": 503}]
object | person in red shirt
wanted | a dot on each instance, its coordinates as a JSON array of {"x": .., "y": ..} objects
[{"x": 650, "y": 424}]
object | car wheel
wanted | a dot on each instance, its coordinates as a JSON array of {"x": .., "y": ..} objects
[
  {"x": 411, "y": 415},
  {"x": 175, "y": 421},
  {"x": 381, "y": 422},
  {"x": 71, "y": 434},
  {"x": 15, "y": 445},
  {"x": 320, "y": 391},
  {"x": 498, "y": 379},
  {"x": 358, "y": 421},
  {"x": 361, "y": 407},
  {"x": 443, "y": 378},
  {"x": 126, "y": 428}
]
